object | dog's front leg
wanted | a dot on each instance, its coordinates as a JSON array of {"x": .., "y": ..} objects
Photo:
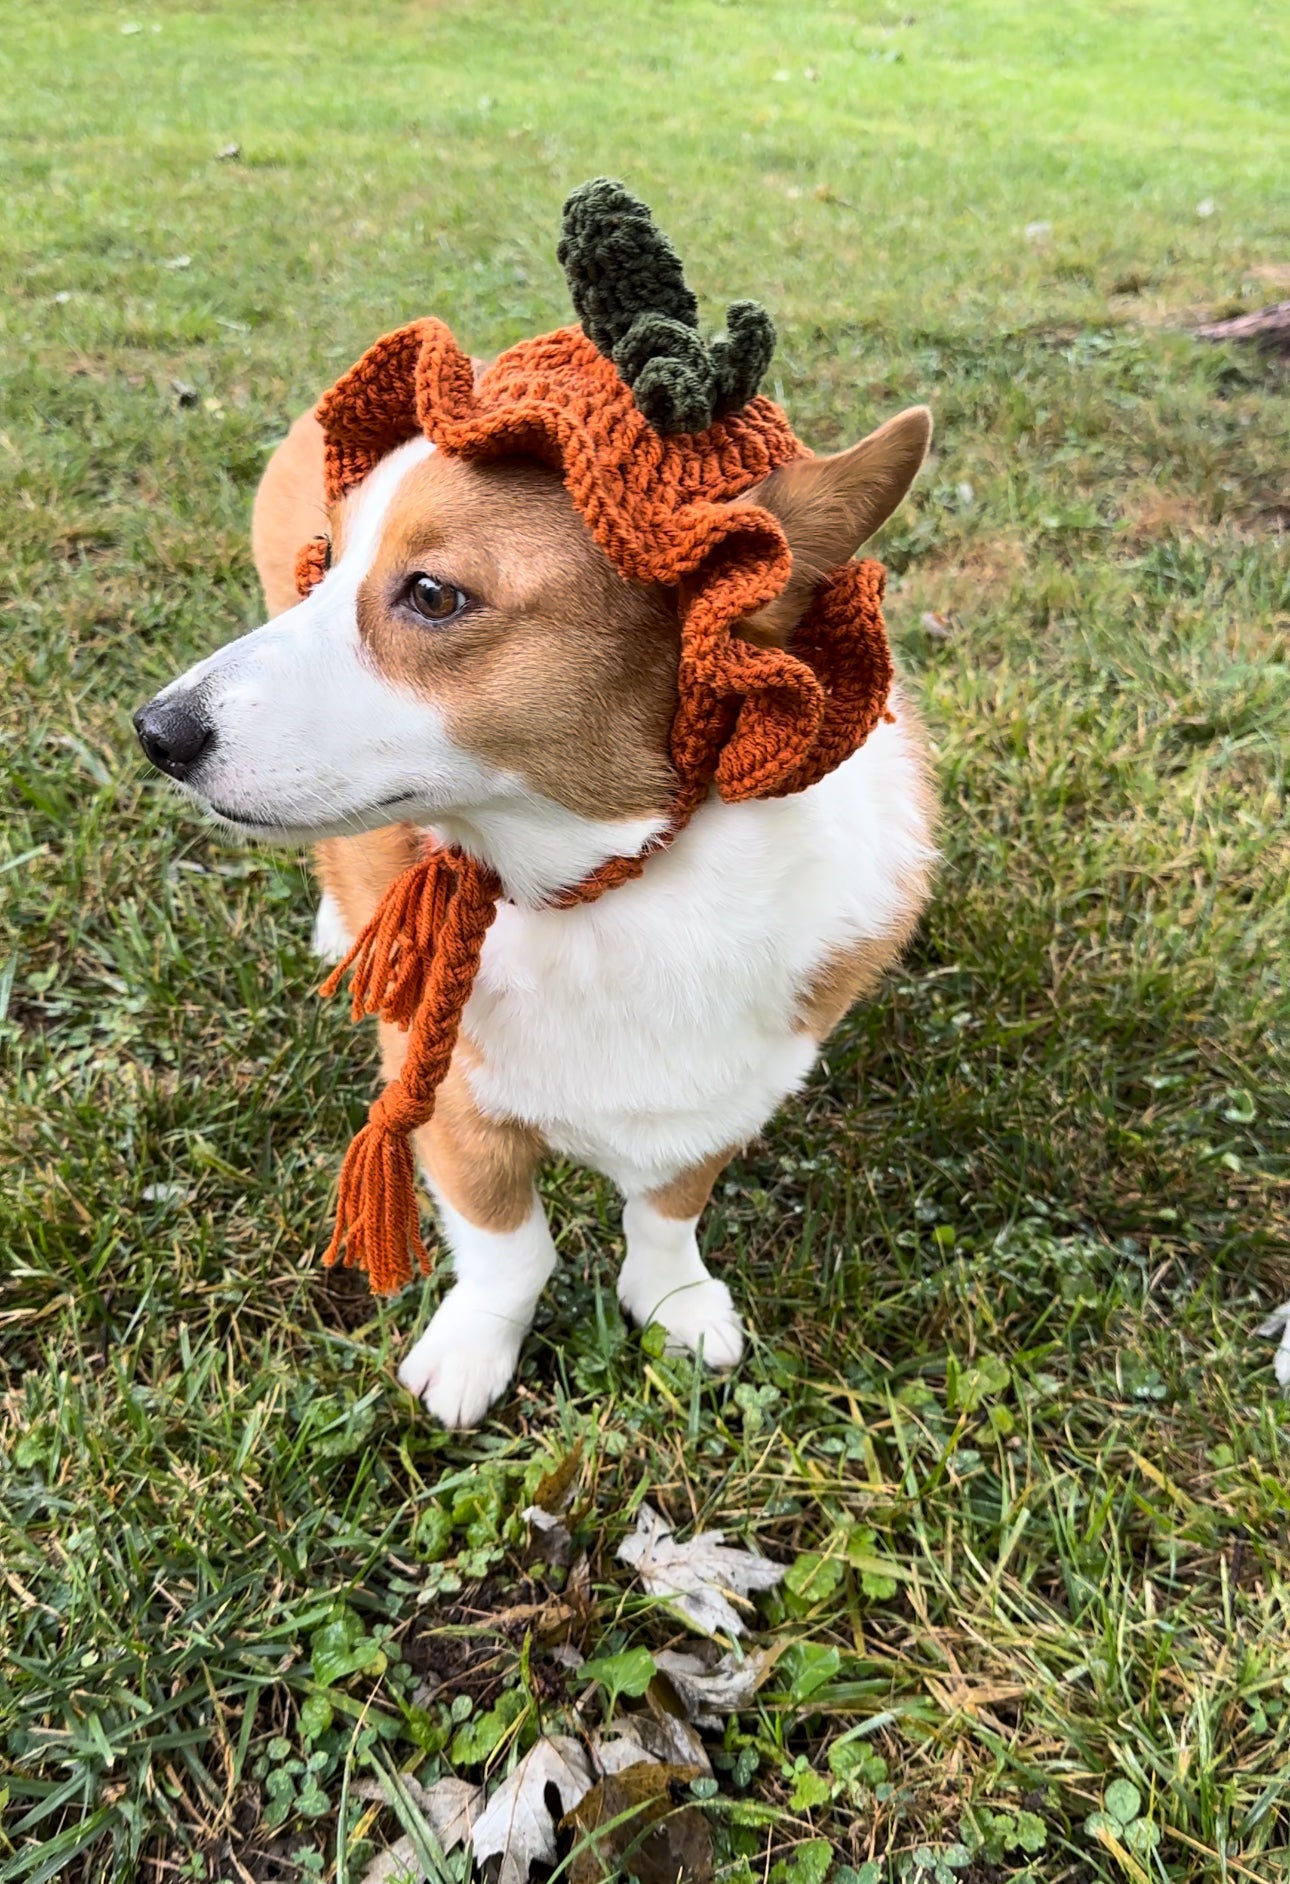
[
  {"x": 467, "y": 1356},
  {"x": 481, "y": 1173},
  {"x": 664, "y": 1278}
]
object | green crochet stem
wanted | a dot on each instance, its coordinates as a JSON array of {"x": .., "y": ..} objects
[{"x": 629, "y": 292}]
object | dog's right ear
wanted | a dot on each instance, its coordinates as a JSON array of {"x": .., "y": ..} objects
[{"x": 829, "y": 506}]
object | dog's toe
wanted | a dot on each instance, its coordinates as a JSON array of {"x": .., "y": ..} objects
[
  {"x": 700, "y": 1318},
  {"x": 464, "y": 1386}
]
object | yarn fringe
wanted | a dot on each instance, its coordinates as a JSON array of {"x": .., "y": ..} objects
[{"x": 414, "y": 965}]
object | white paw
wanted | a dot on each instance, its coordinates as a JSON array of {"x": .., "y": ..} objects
[
  {"x": 696, "y": 1315},
  {"x": 465, "y": 1359},
  {"x": 1277, "y": 1328}
]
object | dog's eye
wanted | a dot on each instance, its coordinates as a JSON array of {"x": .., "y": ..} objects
[{"x": 435, "y": 600}]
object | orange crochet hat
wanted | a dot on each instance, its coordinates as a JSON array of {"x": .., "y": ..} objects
[{"x": 653, "y": 433}]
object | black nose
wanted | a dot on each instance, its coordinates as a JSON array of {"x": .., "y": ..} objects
[{"x": 174, "y": 733}]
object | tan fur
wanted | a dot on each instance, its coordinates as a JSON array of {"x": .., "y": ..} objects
[
  {"x": 290, "y": 507},
  {"x": 357, "y": 871},
  {"x": 850, "y": 975},
  {"x": 686, "y": 1195},
  {"x": 558, "y": 669},
  {"x": 483, "y": 1167}
]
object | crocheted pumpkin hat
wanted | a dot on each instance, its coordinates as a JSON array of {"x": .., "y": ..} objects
[{"x": 654, "y": 431}]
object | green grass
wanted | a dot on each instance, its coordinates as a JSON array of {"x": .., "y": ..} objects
[{"x": 1003, "y": 1260}]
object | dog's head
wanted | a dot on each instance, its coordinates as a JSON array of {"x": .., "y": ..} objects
[
  {"x": 471, "y": 649},
  {"x": 537, "y": 596}
]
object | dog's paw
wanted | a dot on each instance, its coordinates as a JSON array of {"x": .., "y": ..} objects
[
  {"x": 464, "y": 1361},
  {"x": 696, "y": 1315}
]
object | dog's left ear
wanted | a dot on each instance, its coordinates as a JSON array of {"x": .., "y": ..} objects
[{"x": 828, "y": 507}]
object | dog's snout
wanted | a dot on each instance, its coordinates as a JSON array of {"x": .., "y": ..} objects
[{"x": 174, "y": 733}]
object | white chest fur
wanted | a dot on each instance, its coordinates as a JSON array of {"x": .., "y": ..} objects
[{"x": 644, "y": 1031}]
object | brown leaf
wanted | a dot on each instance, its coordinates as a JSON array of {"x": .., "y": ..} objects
[
  {"x": 577, "y": 1589},
  {"x": 549, "y": 1620},
  {"x": 548, "y": 1535},
  {"x": 554, "y": 1487},
  {"x": 633, "y": 1821}
]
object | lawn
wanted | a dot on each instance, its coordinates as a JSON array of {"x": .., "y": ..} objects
[{"x": 1005, "y": 1419}]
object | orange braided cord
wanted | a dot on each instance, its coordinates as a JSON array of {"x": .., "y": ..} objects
[
  {"x": 616, "y": 870},
  {"x": 414, "y": 964}
]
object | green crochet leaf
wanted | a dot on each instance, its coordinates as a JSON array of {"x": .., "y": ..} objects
[
  {"x": 629, "y": 292},
  {"x": 741, "y": 356}
]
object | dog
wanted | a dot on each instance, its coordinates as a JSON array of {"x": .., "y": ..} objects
[{"x": 474, "y": 665}]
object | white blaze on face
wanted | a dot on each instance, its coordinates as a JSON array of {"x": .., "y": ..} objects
[{"x": 311, "y": 739}]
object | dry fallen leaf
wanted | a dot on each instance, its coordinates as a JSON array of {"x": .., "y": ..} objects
[
  {"x": 549, "y": 1535},
  {"x": 555, "y": 1488},
  {"x": 658, "y": 1736},
  {"x": 577, "y": 1589},
  {"x": 450, "y": 1807},
  {"x": 516, "y": 1825},
  {"x": 398, "y": 1865},
  {"x": 633, "y": 1822},
  {"x": 699, "y": 1576},
  {"x": 546, "y": 1619},
  {"x": 708, "y": 1693}
]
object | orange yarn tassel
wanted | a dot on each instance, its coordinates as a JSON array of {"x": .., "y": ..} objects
[{"x": 414, "y": 964}]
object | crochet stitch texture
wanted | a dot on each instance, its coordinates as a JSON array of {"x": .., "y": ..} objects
[
  {"x": 751, "y": 722},
  {"x": 629, "y": 292}
]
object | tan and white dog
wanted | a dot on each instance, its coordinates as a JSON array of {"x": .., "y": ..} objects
[{"x": 474, "y": 663}]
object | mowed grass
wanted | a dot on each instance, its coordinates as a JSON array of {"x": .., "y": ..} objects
[{"x": 1004, "y": 1413}]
